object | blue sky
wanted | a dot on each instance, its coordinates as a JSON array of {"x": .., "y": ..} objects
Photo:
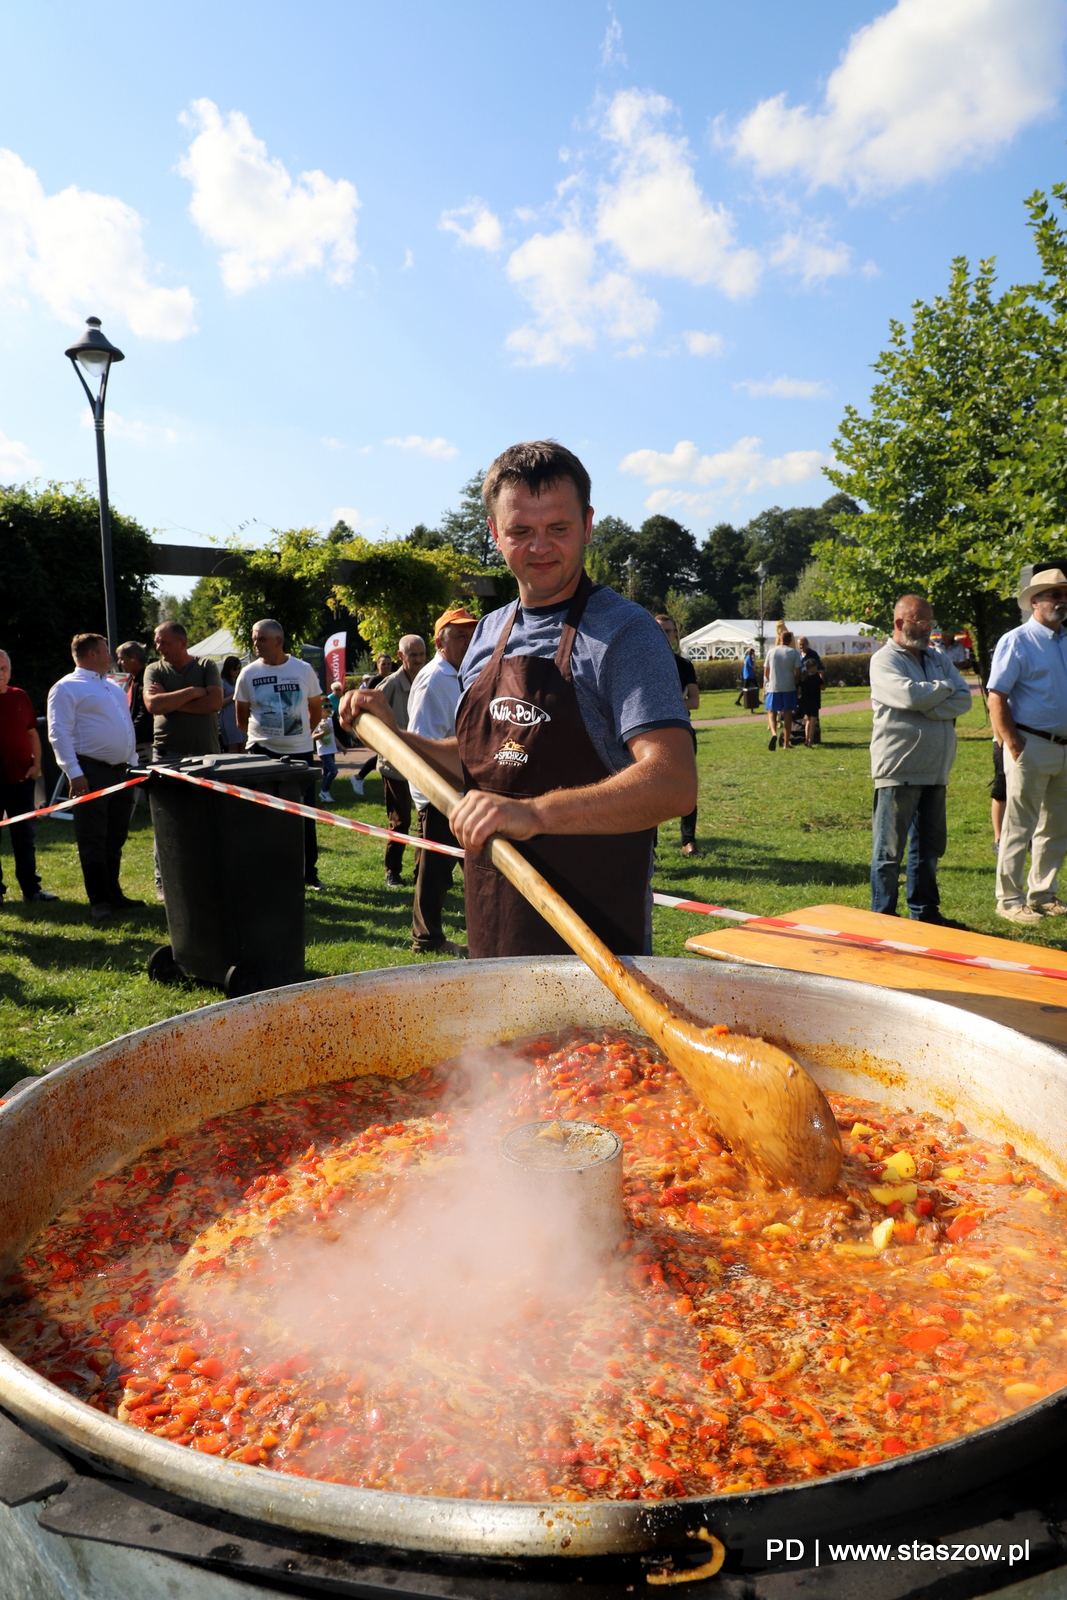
[{"x": 351, "y": 251}]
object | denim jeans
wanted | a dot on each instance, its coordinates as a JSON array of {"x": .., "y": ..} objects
[
  {"x": 15, "y": 798},
  {"x": 910, "y": 816}
]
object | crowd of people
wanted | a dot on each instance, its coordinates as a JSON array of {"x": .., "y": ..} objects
[{"x": 565, "y": 719}]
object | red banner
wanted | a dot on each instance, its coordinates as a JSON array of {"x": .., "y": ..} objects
[{"x": 335, "y": 658}]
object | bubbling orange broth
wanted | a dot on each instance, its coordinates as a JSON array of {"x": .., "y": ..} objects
[{"x": 740, "y": 1337}]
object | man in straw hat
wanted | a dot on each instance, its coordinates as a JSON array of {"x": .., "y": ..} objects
[
  {"x": 572, "y": 737},
  {"x": 432, "y": 706},
  {"x": 1027, "y": 691}
]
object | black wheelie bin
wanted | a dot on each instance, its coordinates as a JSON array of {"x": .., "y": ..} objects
[{"x": 233, "y": 874}]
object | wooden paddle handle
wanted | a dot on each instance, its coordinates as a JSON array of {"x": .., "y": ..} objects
[{"x": 624, "y": 984}]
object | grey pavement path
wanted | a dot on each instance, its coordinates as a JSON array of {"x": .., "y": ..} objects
[{"x": 755, "y": 719}]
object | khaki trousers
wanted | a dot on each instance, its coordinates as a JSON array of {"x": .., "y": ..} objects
[{"x": 1035, "y": 819}]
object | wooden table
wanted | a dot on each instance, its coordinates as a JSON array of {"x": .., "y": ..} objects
[{"x": 1035, "y": 1006}]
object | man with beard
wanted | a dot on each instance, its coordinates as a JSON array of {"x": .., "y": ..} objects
[
  {"x": 1028, "y": 708},
  {"x": 917, "y": 695}
]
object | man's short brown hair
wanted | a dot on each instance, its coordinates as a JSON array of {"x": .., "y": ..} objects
[
  {"x": 82, "y": 643},
  {"x": 538, "y": 464},
  {"x": 172, "y": 627}
]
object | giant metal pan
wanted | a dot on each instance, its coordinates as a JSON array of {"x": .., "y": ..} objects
[{"x": 97, "y": 1111}]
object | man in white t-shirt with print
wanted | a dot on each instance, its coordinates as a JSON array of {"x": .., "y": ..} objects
[{"x": 278, "y": 699}]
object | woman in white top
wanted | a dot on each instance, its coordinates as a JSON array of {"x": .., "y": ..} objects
[{"x": 781, "y": 676}]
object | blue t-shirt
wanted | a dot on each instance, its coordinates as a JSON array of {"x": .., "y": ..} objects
[{"x": 624, "y": 670}]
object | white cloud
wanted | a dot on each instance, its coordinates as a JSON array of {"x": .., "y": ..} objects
[
  {"x": 783, "y": 388},
  {"x": 703, "y": 344},
  {"x": 611, "y": 51},
  {"x": 333, "y": 444},
  {"x": 812, "y": 256},
  {"x": 265, "y": 222},
  {"x": 347, "y": 514},
  {"x": 409, "y": 261},
  {"x": 572, "y": 300},
  {"x": 922, "y": 90},
  {"x": 15, "y": 460},
  {"x": 82, "y": 253},
  {"x": 737, "y": 471},
  {"x": 655, "y": 213},
  {"x": 474, "y": 224},
  {"x": 135, "y": 432},
  {"x": 439, "y": 448}
]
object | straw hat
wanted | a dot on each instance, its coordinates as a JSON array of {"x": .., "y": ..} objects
[{"x": 1048, "y": 578}]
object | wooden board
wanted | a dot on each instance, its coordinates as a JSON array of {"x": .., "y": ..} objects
[{"x": 1035, "y": 1006}]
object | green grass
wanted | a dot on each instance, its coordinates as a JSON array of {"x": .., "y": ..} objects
[{"x": 777, "y": 831}]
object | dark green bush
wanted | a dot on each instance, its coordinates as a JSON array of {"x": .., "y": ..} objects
[{"x": 840, "y": 671}]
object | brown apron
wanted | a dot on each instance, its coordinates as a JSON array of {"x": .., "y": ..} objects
[{"x": 521, "y": 734}]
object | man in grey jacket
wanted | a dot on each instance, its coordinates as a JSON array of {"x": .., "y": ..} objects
[{"x": 917, "y": 694}]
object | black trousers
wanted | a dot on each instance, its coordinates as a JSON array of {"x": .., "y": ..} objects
[
  {"x": 100, "y": 829},
  {"x": 689, "y": 823},
  {"x": 398, "y": 816},
  {"x": 433, "y": 879},
  {"x": 15, "y": 798}
]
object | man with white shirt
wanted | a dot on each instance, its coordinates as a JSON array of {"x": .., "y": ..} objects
[
  {"x": 91, "y": 731},
  {"x": 432, "y": 713},
  {"x": 397, "y": 690},
  {"x": 278, "y": 700},
  {"x": 1027, "y": 692}
]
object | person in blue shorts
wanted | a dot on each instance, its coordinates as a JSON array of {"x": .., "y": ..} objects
[{"x": 781, "y": 681}]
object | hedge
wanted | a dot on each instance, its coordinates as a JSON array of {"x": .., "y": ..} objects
[{"x": 840, "y": 672}]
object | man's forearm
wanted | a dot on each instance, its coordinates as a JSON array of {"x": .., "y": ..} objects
[
  {"x": 627, "y": 802},
  {"x": 159, "y": 703},
  {"x": 211, "y": 700},
  {"x": 441, "y": 754},
  {"x": 1003, "y": 722}
]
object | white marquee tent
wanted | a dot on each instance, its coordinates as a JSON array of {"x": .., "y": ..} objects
[{"x": 729, "y": 638}]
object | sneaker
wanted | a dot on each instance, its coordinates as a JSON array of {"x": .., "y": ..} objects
[
  {"x": 120, "y": 900},
  {"x": 690, "y": 849},
  {"x": 357, "y": 785},
  {"x": 314, "y": 883},
  {"x": 451, "y": 949},
  {"x": 772, "y": 743},
  {"x": 1050, "y": 908},
  {"x": 38, "y": 895},
  {"x": 326, "y": 799},
  {"x": 393, "y": 880},
  {"x": 1026, "y": 915}
]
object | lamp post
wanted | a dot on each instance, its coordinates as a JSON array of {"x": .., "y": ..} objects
[
  {"x": 762, "y": 574},
  {"x": 92, "y": 357},
  {"x": 629, "y": 564}
]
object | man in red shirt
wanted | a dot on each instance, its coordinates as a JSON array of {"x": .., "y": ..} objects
[{"x": 20, "y": 766}]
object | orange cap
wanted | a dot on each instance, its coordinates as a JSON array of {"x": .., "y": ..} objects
[{"x": 459, "y": 615}]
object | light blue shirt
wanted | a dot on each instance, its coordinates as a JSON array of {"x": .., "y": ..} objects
[{"x": 1030, "y": 667}]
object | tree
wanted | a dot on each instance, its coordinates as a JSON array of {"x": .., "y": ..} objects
[
  {"x": 51, "y": 585},
  {"x": 664, "y": 556},
  {"x": 398, "y": 588},
  {"x": 722, "y": 568},
  {"x": 467, "y": 529},
  {"x": 810, "y": 600},
  {"x": 962, "y": 458},
  {"x": 290, "y": 579}
]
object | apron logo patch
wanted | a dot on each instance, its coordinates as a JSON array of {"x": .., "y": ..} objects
[
  {"x": 511, "y": 754},
  {"x": 505, "y": 708}
]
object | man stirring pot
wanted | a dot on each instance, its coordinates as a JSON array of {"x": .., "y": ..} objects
[{"x": 572, "y": 737}]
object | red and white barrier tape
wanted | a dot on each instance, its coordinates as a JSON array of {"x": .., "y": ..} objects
[
  {"x": 781, "y": 925},
  {"x": 78, "y": 800},
  {"x": 312, "y": 813}
]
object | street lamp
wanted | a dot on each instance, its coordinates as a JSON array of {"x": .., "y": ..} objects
[
  {"x": 762, "y": 574},
  {"x": 630, "y": 565},
  {"x": 91, "y": 358}
]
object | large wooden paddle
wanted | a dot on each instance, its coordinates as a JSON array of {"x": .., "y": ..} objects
[{"x": 763, "y": 1102}]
